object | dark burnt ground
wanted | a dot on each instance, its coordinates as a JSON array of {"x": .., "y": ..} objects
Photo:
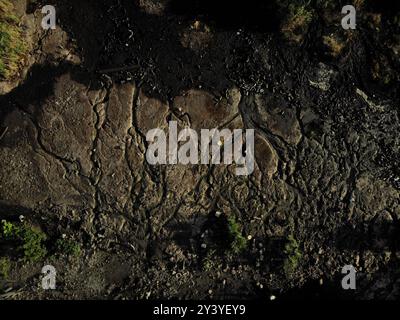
[{"x": 341, "y": 178}]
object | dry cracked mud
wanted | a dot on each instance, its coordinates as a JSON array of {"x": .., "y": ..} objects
[{"x": 73, "y": 163}]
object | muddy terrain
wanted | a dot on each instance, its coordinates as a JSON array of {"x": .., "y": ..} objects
[{"x": 76, "y": 191}]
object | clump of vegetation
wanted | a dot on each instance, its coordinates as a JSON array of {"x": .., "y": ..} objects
[
  {"x": 9, "y": 230},
  {"x": 5, "y": 266},
  {"x": 374, "y": 20},
  {"x": 68, "y": 247},
  {"x": 33, "y": 244},
  {"x": 334, "y": 45},
  {"x": 12, "y": 46},
  {"x": 292, "y": 255},
  {"x": 31, "y": 239},
  {"x": 381, "y": 71},
  {"x": 238, "y": 242},
  {"x": 209, "y": 259},
  {"x": 300, "y": 14}
]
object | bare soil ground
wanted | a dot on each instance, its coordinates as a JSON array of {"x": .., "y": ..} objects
[{"x": 72, "y": 152}]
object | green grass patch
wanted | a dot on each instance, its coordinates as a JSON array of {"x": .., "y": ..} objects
[{"x": 12, "y": 46}]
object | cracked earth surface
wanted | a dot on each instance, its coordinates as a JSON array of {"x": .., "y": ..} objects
[{"x": 73, "y": 161}]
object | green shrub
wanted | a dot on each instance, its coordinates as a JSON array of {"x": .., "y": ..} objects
[
  {"x": 9, "y": 230},
  {"x": 30, "y": 239},
  {"x": 33, "y": 247}
]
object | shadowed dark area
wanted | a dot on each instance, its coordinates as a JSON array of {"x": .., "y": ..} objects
[{"x": 231, "y": 15}]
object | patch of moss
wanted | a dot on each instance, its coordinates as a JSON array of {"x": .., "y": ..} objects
[
  {"x": 238, "y": 242},
  {"x": 293, "y": 255},
  {"x": 30, "y": 239},
  {"x": 12, "y": 46}
]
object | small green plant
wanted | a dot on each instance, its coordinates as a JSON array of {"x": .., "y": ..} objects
[
  {"x": 238, "y": 242},
  {"x": 9, "y": 230},
  {"x": 33, "y": 247},
  {"x": 5, "y": 266},
  {"x": 292, "y": 255},
  {"x": 68, "y": 247},
  {"x": 31, "y": 239}
]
